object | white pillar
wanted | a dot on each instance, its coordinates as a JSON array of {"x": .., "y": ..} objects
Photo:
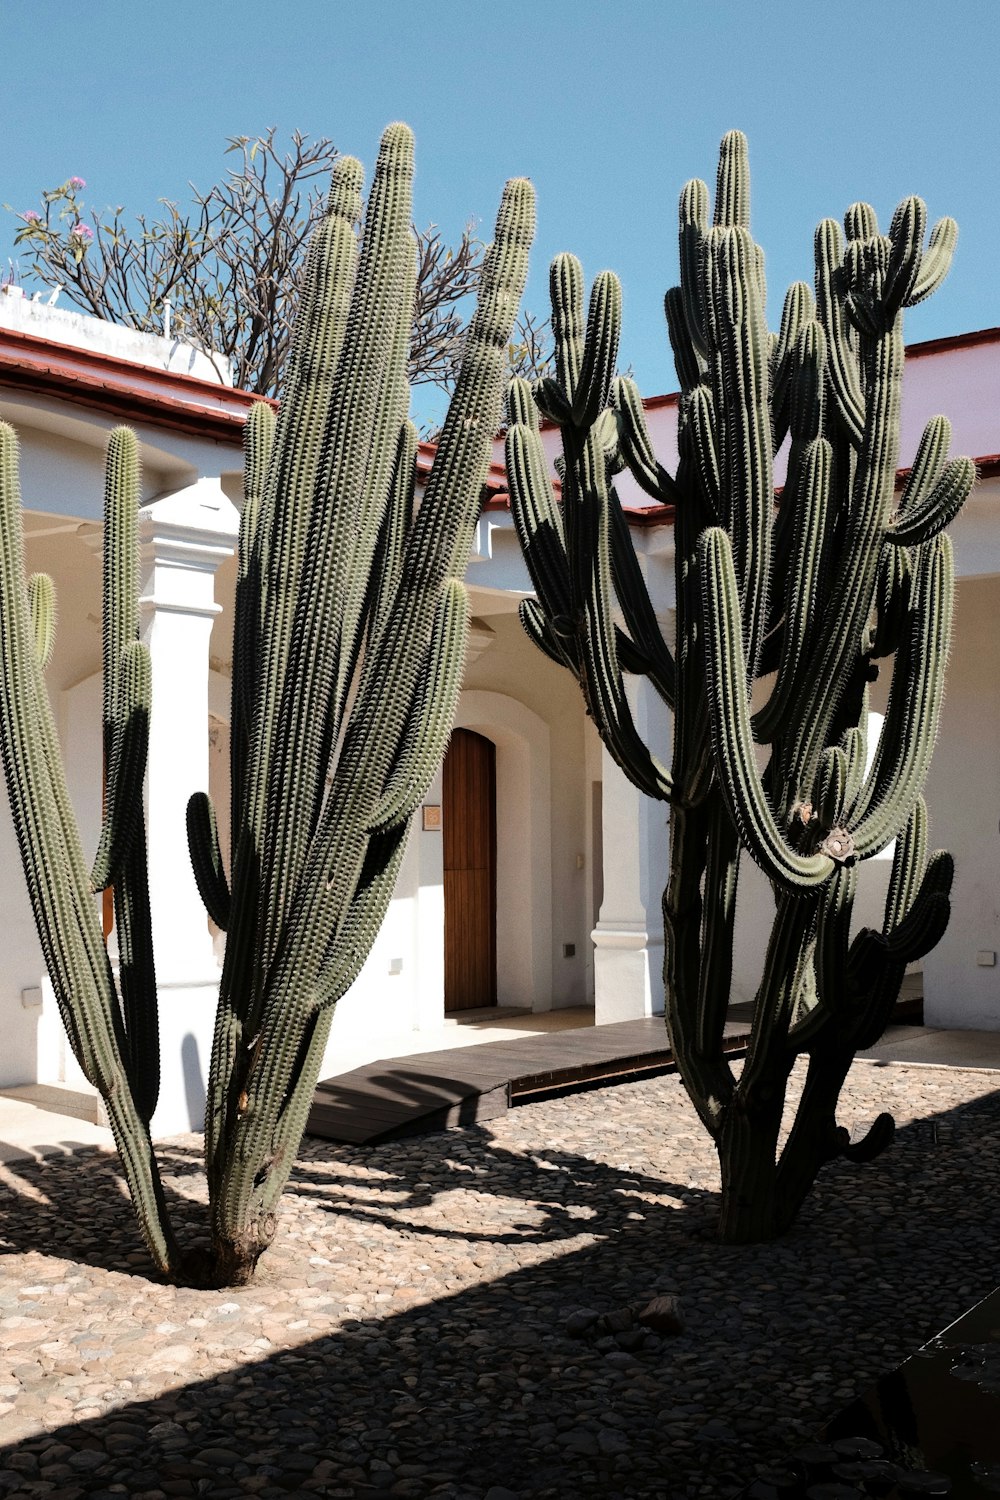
[
  {"x": 185, "y": 537},
  {"x": 628, "y": 938}
]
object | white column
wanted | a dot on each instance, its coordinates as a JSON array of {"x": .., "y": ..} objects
[
  {"x": 628, "y": 938},
  {"x": 185, "y": 537}
]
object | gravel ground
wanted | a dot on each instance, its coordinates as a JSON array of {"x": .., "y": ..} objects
[{"x": 416, "y": 1329}]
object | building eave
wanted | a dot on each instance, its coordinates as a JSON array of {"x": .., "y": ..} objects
[{"x": 128, "y": 391}]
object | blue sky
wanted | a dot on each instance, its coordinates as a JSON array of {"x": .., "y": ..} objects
[{"x": 608, "y": 107}]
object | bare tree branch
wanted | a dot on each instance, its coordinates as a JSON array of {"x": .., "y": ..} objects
[{"x": 226, "y": 270}]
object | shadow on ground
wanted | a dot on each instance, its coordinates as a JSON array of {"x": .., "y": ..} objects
[{"x": 483, "y": 1387}]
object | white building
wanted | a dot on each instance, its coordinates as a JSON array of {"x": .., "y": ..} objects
[{"x": 568, "y": 868}]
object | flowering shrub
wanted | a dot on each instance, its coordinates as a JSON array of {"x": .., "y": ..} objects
[{"x": 45, "y": 232}]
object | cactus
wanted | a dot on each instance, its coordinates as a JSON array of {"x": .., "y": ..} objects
[
  {"x": 349, "y": 647},
  {"x": 813, "y": 589}
]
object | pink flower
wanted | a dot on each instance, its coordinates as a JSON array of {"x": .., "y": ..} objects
[
  {"x": 77, "y": 183},
  {"x": 31, "y": 217},
  {"x": 82, "y": 231}
]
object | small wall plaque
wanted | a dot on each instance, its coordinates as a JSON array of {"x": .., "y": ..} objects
[{"x": 432, "y": 818}]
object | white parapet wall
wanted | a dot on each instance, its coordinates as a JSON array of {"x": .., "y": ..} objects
[{"x": 41, "y": 318}]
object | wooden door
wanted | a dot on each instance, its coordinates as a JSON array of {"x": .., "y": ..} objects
[{"x": 470, "y": 872}]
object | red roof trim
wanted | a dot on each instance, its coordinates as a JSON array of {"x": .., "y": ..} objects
[
  {"x": 145, "y": 393},
  {"x": 141, "y": 393},
  {"x": 954, "y": 341},
  {"x": 165, "y": 398}
]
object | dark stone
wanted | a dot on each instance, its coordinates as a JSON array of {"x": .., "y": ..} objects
[
  {"x": 580, "y": 1322},
  {"x": 663, "y": 1315}
]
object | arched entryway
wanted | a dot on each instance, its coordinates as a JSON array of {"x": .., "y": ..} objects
[{"x": 470, "y": 872}]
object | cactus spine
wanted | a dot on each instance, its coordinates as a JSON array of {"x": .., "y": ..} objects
[
  {"x": 349, "y": 647},
  {"x": 816, "y": 586}
]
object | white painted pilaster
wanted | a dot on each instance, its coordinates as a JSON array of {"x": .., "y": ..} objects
[
  {"x": 185, "y": 537},
  {"x": 628, "y": 938}
]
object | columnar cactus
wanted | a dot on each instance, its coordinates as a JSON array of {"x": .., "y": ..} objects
[
  {"x": 349, "y": 647},
  {"x": 810, "y": 588}
]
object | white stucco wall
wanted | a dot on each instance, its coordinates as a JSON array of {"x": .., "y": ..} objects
[{"x": 963, "y": 795}]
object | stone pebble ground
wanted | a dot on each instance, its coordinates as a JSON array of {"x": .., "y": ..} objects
[{"x": 409, "y": 1332}]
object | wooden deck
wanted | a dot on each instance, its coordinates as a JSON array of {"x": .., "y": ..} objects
[{"x": 402, "y": 1096}]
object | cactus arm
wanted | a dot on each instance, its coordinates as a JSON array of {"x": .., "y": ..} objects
[
  {"x": 732, "y": 182},
  {"x": 687, "y": 362},
  {"x": 120, "y": 559},
  {"x": 378, "y": 496},
  {"x": 258, "y": 440},
  {"x": 206, "y": 858},
  {"x": 718, "y": 917},
  {"x": 603, "y": 686},
  {"x": 692, "y": 764},
  {"x": 58, "y": 886},
  {"x": 803, "y": 370},
  {"x": 693, "y": 224},
  {"x": 431, "y": 715},
  {"x": 540, "y": 532},
  {"x": 126, "y": 672},
  {"x": 292, "y": 472},
  {"x": 799, "y": 308},
  {"x": 911, "y": 723},
  {"x": 137, "y": 977},
  {"x": 922, "y": 522},
  {"x": 538, "y": 627},
  {"x": 600, "y": 350},
  {"x": 924, "y": 924},
  {"x": 346, "y": 955},
  {"x": 893, "y": 596},
  {"x": 121, "y": 856},
  {"x": 636, "y": 444},
  {"x": 637, "y": 608},
  {"x": 697, "y": 446},
  {"x": 906, "y": 236},
  {"x": 42, "y": 604},
  {"x": 395, "y": 526},
  {"x": 830, "y": 789},
  {"x": 587, "y": 571},
  {"x": 730, "y": 723},
  {"x": 521, "y": 406},
  {"x": 125, "y": 775},
  {"x": 845, "y": 617},
  {"x": 928, "y": 464},
  {"x": 801, "y": 589},
  {"x": 908, "y": 862},
  {"x": 738, "y": 337},
  {"x": 706, "y": 1072},
  {"x": 845, "y": 385},
  {"x": 464, "y": 448},
  {"x": 344, "y": 521},
  {"x": 936, "y": 261},
  {"x": 551, "y": 402},
  {"x": 538, "y": 523},
  {"x": 568, "y": 328}
]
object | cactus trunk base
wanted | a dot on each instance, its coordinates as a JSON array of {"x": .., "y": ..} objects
[
  {"x": 751, "y": 1209},
  {"x": 234, "y": 1259}
]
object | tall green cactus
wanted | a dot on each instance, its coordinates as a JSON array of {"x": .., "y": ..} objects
[
  {"x": 349, "y": 647},
  {"x": 810, "y": 589}
]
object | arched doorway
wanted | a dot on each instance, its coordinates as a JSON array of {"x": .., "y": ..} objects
[{"x": 470, "y": 872}]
